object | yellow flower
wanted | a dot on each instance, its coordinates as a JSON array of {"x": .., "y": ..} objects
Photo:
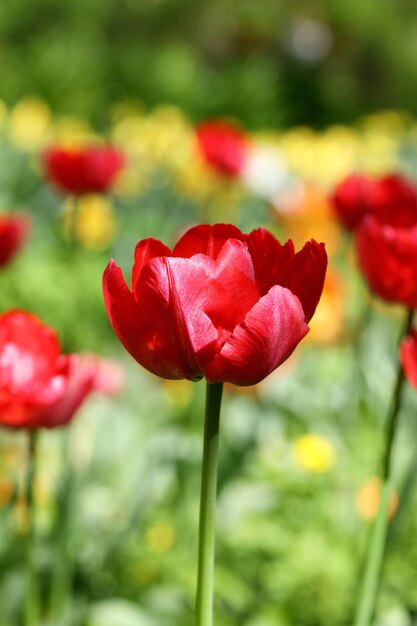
[
  {"x": 338, "y": 150},
  {"x": 30, "y": 124},
  {"x": 95, "y": 221},
  {"x": 160, "y": 537},
  {"x": 71, "y": 132},
  {"x": 314, "y": 453}
]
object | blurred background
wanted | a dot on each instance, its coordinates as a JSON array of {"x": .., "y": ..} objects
[
  {"x": 269, "y": 64},
  {"x": 319, "y": 89}
]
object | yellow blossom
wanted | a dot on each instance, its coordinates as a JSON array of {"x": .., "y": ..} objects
[
  {"x": 95, "y": 221},
  {"x": 30, "y": 124},
  {"x": 314, "y": 453},
  {"x": 72, "y": 132}
]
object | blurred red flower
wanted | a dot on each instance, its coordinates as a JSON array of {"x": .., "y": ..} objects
[
  {"x": 388, "y": 256},
  {"x": 79, "y": 171},
  {"x": 224, "y": 305},
  {"x": 350, "y": 200},
  {"x": 39, "y": 386},
  {"x": 392, "y": 199},
  {"x": 14, "y": 229},
  {"x": 408, "y": 357},
  {"x": 223, "y": 146}
]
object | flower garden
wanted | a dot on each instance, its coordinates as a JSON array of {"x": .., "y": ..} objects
[{"x": 101, "y": 454}]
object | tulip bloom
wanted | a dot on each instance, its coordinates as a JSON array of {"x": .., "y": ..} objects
[
  {"x": 388, "y": 257},
  {"x": 222, "y": 146},
  {"x": 221, "y": 305},
  {"x": 39, "y": 386},
  {"x": 350, "y": 200},
  {"x": 79, "y": 171},
  {"x": 13, "y": 233},
  {"x": 390, "y": 198}
]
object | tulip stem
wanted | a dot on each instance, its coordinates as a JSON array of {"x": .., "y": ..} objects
[
  {"x": 375, "y": 554},
  {"x": 32, "y": 592},
  {"x": 205, "y": 576},
  {"x": 61, "y": 583}
]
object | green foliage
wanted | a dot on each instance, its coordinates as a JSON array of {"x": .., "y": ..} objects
[
  {"x": 239, "y": 59},
  {"x": 290, "y": 539}
]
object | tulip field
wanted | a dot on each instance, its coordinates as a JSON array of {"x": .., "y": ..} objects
[{"x": 208, "y": 371}]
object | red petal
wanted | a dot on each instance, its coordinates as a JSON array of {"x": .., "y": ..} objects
[
  {"x": 266, "y": 338},
  {"x": 123, "y": 311},
  {"x": 350, "y": 200},
  {"x": 304, "y": 275},
  {"x": 14, "y": 230},
  {"x": 269, "y": 257},
  {"x": 79, "y": 384},
  {"x": 146, "y": 250},
  {"x": 29, "y": 350},
  {"x": 236, "y": 290},
  {"x": 223, "y": 146},
  {"x": 388, "y": 259},
  {"x": 408, "y": 356},
  {"x": 177, "y": 334},
  {"x": 206, "y": 239}
]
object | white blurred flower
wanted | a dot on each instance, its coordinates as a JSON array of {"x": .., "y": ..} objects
[{"x": 265, "y": 173}]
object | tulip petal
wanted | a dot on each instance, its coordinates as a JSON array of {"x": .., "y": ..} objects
[
  {"x": 269, "y": 256},
  {"x": 266, "y": 338},
  {"x": 80, "y": 382},
  {"x": 123, "y": 311},
  {"x": 304, "y": 275},
  {"x": 176, "y": 333},
  {"x": 146, "y": 250},
  {"x": 408, "y": 357},
  {"x": 388, "y": 259},
  {"x": 206, "y": 239},
  {"x": 236, "y": 291}
]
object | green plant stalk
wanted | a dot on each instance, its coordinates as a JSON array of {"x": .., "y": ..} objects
[
  {"x": 61, "y": 583},
  {"x": 370, "y": 582},
  {"x": 32, "y": 591},
  {"x": 205, "y": 575}
]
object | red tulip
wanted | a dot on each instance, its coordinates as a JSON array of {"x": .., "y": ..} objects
[
  {"x": 224, "y": 305},
  {"x": 408, "y": 356},
  {"x": 83, "y": 170},
  {"x": 391, "y": 199},
  {"x": 222, "y": 146},
  {"x": 388, "y": 259},
  {"x": 39, "y": 386},
  {"x": 350, "y": 200},
  {"x": 14, "y": 229}
]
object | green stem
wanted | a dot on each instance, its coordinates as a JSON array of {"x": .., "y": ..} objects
[
  {"x": 375, "y": 555},
  {"x": 62, "y": 570},
  {"x": 205, "y": 576},
  {"x": 32, "y": 592}
]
